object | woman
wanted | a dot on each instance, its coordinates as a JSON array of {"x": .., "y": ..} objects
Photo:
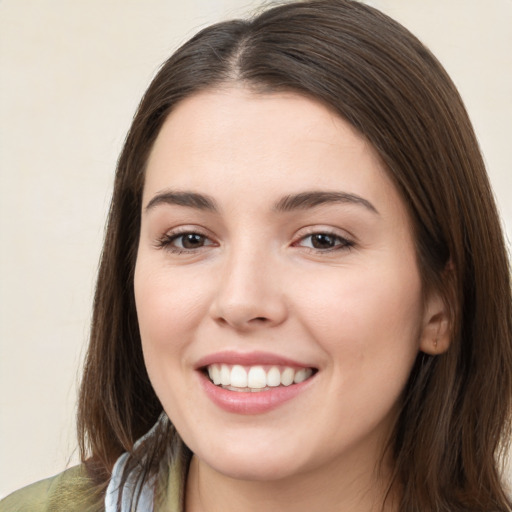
[{"x": 304, "y": 297}]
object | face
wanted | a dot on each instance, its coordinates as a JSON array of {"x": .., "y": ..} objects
[{"x": 276, "y": 284}]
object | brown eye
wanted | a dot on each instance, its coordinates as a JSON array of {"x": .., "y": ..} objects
[
  {"x": 190, "y": 240},
  {"x": 184, "y": 242},
  {"x": 323, "y": 241}
]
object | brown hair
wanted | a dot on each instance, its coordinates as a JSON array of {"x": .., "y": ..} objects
[{"x": 381, "y": 79}]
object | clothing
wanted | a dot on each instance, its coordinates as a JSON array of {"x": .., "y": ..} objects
[
  {"x": 146, "y": 498},
  {"x": 68, "y": 491},
  {"x": 73, "y": 490}
]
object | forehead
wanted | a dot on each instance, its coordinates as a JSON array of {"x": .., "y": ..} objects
[
  {"x": 234, "y": 140},
  {"x": 205, "y": 119}
]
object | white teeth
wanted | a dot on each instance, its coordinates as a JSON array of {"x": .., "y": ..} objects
[
  {"x": 301, "y": 376},
  {"x": 273, "y": 377},
  {"x": 287, "y": 376},
  {"x": 225, "y": 375},
  {"x": 214, "y": 373},
  {"x": 238, "y": 377},
  {"x": 256, "y": 378}
]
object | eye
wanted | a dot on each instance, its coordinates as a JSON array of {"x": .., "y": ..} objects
[
  {"x": 184, "y": 242},
  {"x": 324, "y": 242},
  {"x": 190, "y": 241}
]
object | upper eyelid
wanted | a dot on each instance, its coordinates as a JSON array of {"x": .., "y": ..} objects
[
  {"x": 169, "y": 235},
  {"x": 328, "y": 230},
  {"x": 185, "y": 229}
]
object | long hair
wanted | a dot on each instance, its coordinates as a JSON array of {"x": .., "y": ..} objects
[{"x": 454, "y": 419}]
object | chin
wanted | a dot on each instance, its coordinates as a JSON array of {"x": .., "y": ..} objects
[
  {"x": 262, "y": 470},
  {"x": 256, "y": 464}
]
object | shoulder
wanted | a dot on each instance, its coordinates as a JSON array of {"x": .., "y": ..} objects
[{"x": 71, "y": 490}]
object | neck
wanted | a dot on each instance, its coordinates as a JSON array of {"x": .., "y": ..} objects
[{"x": 347, "y": 489}]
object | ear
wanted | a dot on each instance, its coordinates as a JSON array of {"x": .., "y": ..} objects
[{"x": 435, "y": 334}]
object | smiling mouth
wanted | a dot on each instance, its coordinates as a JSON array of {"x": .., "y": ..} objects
[{"x": 255, "y": 378}]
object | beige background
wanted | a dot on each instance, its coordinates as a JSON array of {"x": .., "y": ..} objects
[{"x": 72, "y": 73}]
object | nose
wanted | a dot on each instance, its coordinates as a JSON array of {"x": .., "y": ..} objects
[{"x": 249, "y": 295}]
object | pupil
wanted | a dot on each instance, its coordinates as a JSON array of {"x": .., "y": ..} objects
[
  {"x": 323, "y": 241},
  {"x": 192, "y": 241}
]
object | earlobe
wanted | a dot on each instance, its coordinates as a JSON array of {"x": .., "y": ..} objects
[{"x": 435, "y": 335}]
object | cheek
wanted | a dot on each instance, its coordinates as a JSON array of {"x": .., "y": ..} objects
[
  {"x": 169, "y": 307},
  {"x": 355, "y": 315}
]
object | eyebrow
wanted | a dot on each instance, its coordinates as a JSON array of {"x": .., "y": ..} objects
[
  {"x": 189, "y": 199},
  {"x": 306, "y": 200},
  {"x": 301, "y": 201}
]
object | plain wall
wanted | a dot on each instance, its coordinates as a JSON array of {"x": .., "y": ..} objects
[{"x": 71, "y": 75}]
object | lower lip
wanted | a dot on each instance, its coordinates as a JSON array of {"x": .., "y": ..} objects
[{"x": 240, "y": 402}]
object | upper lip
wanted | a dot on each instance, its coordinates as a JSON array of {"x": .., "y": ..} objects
[{"x": 248, "y": 359}]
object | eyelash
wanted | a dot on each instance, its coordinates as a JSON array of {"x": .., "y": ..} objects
[
  {"x": 343, "y": 244},
  {"x": 167, "y": 240}
]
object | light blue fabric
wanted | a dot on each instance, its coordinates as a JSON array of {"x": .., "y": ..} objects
[{"x": 130, "y": 490}]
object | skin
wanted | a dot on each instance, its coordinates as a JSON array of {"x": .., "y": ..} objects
[{"x": 255, "y": 281}]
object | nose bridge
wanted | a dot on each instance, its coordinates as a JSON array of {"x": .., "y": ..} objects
[{"x": 248, "y": 293}]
